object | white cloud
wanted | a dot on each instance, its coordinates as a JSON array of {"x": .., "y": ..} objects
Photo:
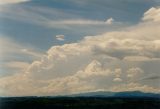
[
  {"x": 94, "y": 69},
  {"x": 10, "y": 47},
  {"x": 117, "y": 79},
  {"x": 109, "y": 21},
  {"x": 118, "y": 74},
  {"x": 137, "y": 58},
  {"x": 32, "y": 53},
  {"x": 60, "y": 37},
  {"x": 15, "y": 57},
  {"x": 134, "y": 72},
  {"x": 152, "y": 14},
  {"x": 4, "y": 2},
  {"x": 35, "y": 16},
  {"x": 92, "y": 63},
  {"x": 17, "y": 65},
  {"x": 81, "y": 22}
]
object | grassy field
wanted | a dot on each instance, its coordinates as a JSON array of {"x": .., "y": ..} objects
[{"x": 78, "y": 103}]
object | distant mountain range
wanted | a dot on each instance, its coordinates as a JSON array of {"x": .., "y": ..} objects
[
  {"x": 105, "y": 94},
  {"x": 116, "y": 94}
]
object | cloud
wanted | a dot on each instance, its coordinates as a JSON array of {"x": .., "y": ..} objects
[
  {"x": 127, "y": 48},
  {"x": 15, "y": 57},
  {"x": 82, "y": 22},
  {"x": 60, "y": 37},
  {"x": 134, "y": 72},
  {"x": 109, "y": 21},
  {"x": 153, "y": 77},
  {"x": 137, "y": 58},
  {"x": 153, "y": 14},
  {"x": 117, "y": 73},
  {"x": 27, "y": 14},
  {"x": 4, "y": 2},
  {"x": 134, "y": 87},
  {"x": 57, "y": 19},
  {"x": 117, "y": 79},
  {"x": 10, "y": 47},
  {"x": 94, "y": 69},
  {"x": 92, "y": 64},
  {"x": 31, "y": 53},
  {"x": 16, "y": 65},
  {"x": 13, "y": 67}
]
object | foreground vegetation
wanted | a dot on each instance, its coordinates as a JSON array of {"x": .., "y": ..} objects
[{"x": 79, "y": 103}]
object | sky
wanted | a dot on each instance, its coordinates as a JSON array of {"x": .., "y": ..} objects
[{"x": 59, "y": 47}]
